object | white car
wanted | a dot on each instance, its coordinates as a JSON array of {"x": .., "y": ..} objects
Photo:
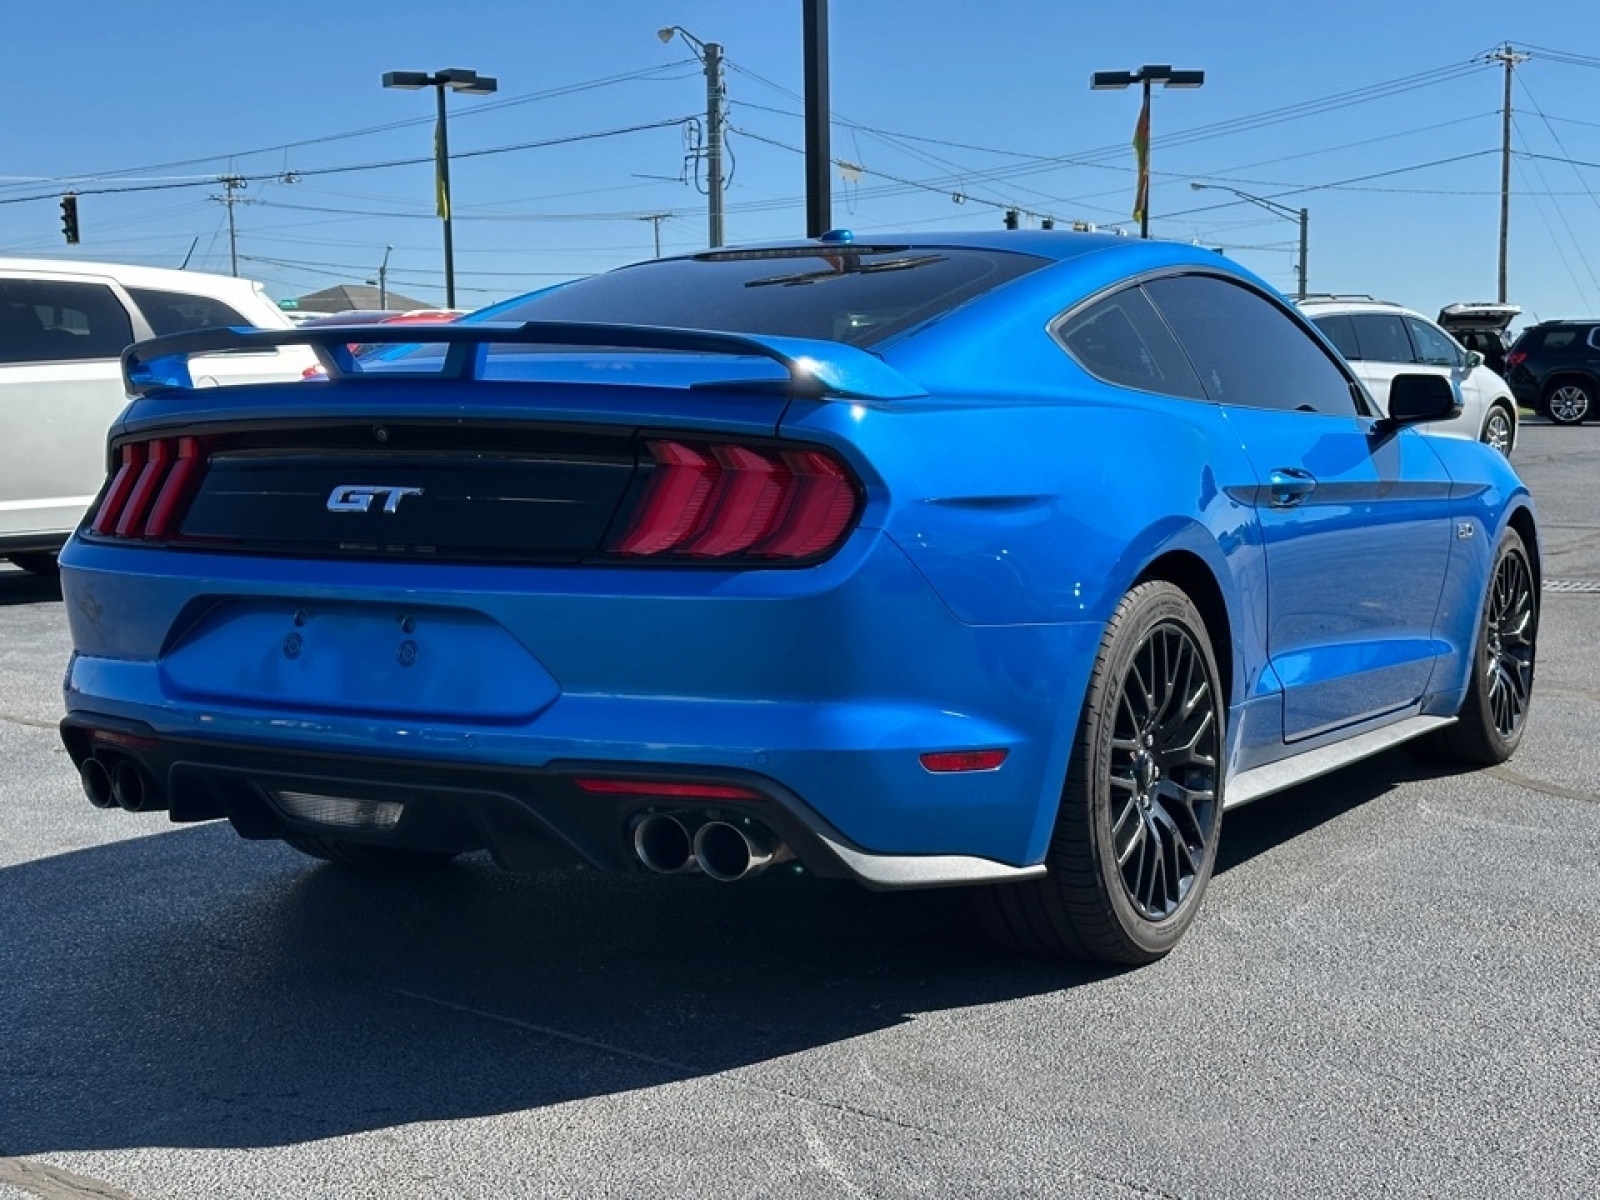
[
  {"x": 63, "y": 327},
  {"x": 1381, "y": 340}
]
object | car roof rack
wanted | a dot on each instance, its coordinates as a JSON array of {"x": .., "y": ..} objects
[{"x": 1349, "y": 296}]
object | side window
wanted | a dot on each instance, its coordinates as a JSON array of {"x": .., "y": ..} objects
[
  {"x": 1122, "y": 340},
  {"x": 1247, "y": 350},
  {"x": 1338, "y": 330},
  {"x": 1594, "y": 337},
  {"x": 1382, "y": 337},
  {"x": 1556, "y": 339},
  {"x": 179, "y": 312},
  {"x": 45, "y": 321},
  {"x": 1434, "y": 346}
]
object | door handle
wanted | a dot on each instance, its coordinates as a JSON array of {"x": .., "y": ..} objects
[{"x": 1289, "y": 486}]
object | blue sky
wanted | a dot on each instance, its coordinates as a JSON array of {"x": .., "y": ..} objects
[{"x": 953, "y": 113}]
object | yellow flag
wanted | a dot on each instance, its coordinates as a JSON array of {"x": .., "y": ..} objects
[
  {"x": 440, "y": 187},
  {"x": 1141, "y": 151}
]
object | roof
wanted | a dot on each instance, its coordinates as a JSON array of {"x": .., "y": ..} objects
[
  {"x": 132, "y": 275},
  {"x": 1045, "y": 243},
  {"x": 347, "y": 296}
]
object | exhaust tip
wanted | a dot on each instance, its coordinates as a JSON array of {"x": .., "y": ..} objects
[
  {"x": 127, "y": 787},
  {"x": 96, "y": 783},
  {"x": 663, "y": 843},
  {"x": 726, "y": 852}
]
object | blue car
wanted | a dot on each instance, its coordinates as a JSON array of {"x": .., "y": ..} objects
[{"x": 1006, "y": 561}]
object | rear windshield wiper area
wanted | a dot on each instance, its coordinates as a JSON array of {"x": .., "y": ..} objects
[{"x": 846, "y": 270}]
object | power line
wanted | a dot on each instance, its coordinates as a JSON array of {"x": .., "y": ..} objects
[
  {"x": 412, "y": 122},
  {"x": 373, "y": 166}
]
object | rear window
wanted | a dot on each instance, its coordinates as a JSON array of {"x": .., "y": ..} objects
[
  {"x": 1550, "y": 339},
  {"x": 861, "y": 295},
  {"x": 44, "y": 320},
  {"x": 179, "y": 312}
]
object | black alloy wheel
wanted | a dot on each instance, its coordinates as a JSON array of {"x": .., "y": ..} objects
[
  {"x": 1500, "y": 689},
  {"x": 1165, "y": 748},
  {"x": 1508, "y": 644},
  {"x": 1135, "y": 838}
]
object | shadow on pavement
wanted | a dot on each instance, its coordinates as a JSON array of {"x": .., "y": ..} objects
[
  {"x": 191, "y": 989},
  {"x": 19, "y": 587}
]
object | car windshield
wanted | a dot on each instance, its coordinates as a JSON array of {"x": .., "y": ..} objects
[{"x": 861, "y": 295}]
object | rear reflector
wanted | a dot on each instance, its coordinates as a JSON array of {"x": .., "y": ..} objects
[
  {"x": 351, "y": 812},
  {"x": 948, "y": 761},
  {"x": 727, "y": 501},
  {"x": 667, "y": 788},
  {"x": 113, "y": 737}
]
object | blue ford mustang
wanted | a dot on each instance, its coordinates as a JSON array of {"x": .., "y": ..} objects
[{"x": 1004, "y": 560}]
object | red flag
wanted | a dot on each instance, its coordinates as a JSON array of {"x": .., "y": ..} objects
[{"x": 1141, "y": 151}]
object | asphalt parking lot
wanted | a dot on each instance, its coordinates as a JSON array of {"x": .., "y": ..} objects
[{"x": 1391, "y": 991}]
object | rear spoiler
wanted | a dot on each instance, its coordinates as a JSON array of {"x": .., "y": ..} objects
[{"x": 816, "y": 367}]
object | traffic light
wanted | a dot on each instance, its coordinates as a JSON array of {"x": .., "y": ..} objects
[
  {"x": 69, "y": 218},
  {"x": 1048, "y": 223},
  {"x": 1012, "y": 218}
]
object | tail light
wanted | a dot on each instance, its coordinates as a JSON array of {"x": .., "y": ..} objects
[
  {"x": 1516, "y": 358},
  {"x": 725, "y": 501},
  {"x": 154, "y": 482}
]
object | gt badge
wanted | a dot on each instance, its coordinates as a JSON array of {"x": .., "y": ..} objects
[{"x": 357, "y": 497}]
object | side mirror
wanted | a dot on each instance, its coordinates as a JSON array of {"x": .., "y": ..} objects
[
  {"x": 1415, "y": 399},
  {"x": 1474, "y": 360}
]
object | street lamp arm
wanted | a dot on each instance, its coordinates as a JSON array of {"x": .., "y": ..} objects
[
  {"x": 1272, "y": 206},
  {"x": 695, "y": 43}
]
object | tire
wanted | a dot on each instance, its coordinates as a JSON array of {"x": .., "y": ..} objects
[
  {"x": 1135, "y": 839},
  {"x": 36, "y": 562},
  {"x": 1499, "y": 428},
  {"x": 1495, "y": 712},
  {"x": 365, "y": 856},
  {"x": 1568, "y": 402}
]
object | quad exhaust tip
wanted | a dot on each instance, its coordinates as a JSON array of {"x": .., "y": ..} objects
[
  {"x": 665, "y": 844},
  {"x": 116, "y": 782},
  {"x": 96, "y": 783},
  {"x": 678, "y": 843},
  {"x": 728, "y": 852},
  {"x": 128, "y": 787}
]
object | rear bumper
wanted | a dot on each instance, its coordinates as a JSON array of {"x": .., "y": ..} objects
[
  {"x": 823, "y": 686},
  {"x": 526, "y": 818}
]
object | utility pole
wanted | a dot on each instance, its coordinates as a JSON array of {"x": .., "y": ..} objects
[
  {"x": 710, "y": 56},
  {"x": 655, "y": 220},
  {"x": 1305, "y": 232},
  {"x": 230, "y": 185},
  {"x": 1510, "y": 58},
  {"x": 715, "y": 91}
]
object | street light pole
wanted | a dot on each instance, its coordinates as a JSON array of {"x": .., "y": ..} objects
[
  {"x": 1301, "y": 216},
  {"x": 1150, "y": 73},
  {"x": 455, "y": 79},
  {"x": 383, "y": 278},
  {"x": 710, "y": 56},
  {"x": 819, "y": 155}
]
